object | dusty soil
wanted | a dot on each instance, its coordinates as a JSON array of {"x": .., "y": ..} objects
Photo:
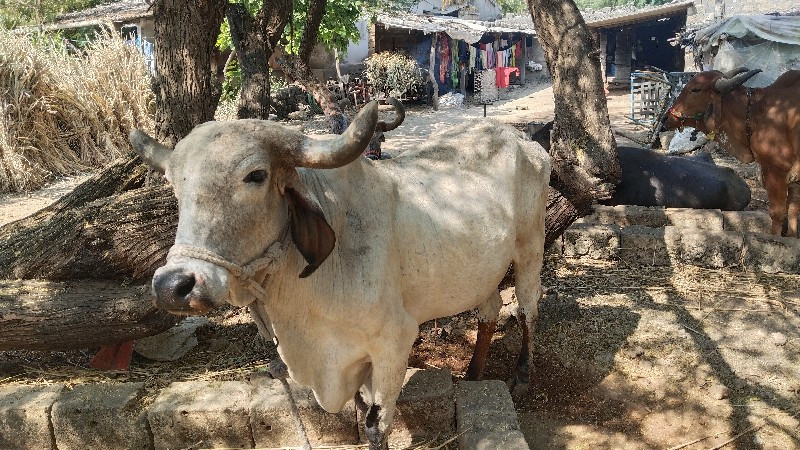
[{"x": 676, "y": 357}]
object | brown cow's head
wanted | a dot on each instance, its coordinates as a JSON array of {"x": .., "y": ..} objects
[
  {"x": 238, "y": 191},
  {"x": 699, "y": 103}
]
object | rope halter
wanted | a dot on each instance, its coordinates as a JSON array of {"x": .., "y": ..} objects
[{"x": 272, "y": 258}]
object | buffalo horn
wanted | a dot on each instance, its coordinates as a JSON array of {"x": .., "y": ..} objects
[
  {"x": 343, "y": 149},
  {"x": 734, "y": 72},
  {"x": 724, "y": 85},
  {"x": 399, "y": 116}
]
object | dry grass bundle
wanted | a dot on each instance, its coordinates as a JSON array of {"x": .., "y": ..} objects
[{"x": 63, "y": 114}]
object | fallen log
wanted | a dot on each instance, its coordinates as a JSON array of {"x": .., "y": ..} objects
[{"x": 47, "y": 315}]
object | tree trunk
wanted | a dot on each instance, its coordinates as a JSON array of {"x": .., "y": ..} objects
[
  {"x": 297, "y": 70},
  {"x": 186, "y": 93},
  {"x": 254, "y": 40},
  {"x": 116, "y": 237},
  {"x": 585, "y": 163},
  {"x": 43, "y": 315}
]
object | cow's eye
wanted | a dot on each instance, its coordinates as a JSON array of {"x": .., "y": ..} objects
[
  {"x": 696, "y": 90},
  {"x": 256, "y": 176}
]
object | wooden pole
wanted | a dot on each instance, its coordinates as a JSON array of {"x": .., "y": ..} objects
[{"x": 432, "y": 75}]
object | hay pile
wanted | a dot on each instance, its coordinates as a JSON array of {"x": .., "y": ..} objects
[{"x": 62, "y": 114}]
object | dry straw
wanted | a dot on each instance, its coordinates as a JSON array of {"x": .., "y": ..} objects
[{"x": 62, "y": 114}]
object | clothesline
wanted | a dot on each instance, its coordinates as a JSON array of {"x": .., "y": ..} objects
[{"x": 456, "y": 54}]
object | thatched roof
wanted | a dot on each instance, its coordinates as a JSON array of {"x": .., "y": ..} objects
[
  {"x": 470, "y": 31},
  {"x": 119, "y": 11}
]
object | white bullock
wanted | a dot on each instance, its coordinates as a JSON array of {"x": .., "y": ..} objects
[{"x": 379, "y": 246}]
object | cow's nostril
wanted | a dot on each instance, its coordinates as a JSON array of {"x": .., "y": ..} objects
[{"x": 184, "y": 286}]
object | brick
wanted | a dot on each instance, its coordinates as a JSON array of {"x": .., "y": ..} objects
[
  {"x": 104, "y": 416},
  {"x": 25, "y": 416},
  {"x": 771, "y": 254},
  {"x": 711, "y": 249},
  {"x": 630, "y": 215},
  {"x": 649, "y": 246},
  {"x": 703, "y": 219},
  {"x": 201, "y": 414},
  {"x": 744, "y": 221},
  {"x": 485, "y": 416},
  {"x": 273, "y": 425},
  {"x": 591, "y": 241}
]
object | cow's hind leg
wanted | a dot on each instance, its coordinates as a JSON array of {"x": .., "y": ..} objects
[
  {"x": 792, "y": 208},
  {"x": 487, "y": 322},
  {"x": 777, "y": 193}
]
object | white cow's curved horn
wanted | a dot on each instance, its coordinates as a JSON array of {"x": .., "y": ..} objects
[
  {"x": 340, "y": 150},
  {"x": 154, "y": 153},
  {"x": 724, "y": 85},
  {"x": 399, "y": 116}
]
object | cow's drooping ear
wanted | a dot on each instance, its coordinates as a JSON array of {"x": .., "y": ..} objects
[
  {"x": 311, "y": 233},
  {"x": 152, "y": 152}
]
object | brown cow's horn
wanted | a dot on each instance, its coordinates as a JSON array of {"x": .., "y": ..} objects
[
  {"x": 727, "y": 85},
  {"x": 734, "y": 72},
  {"x": 399, "y": 116},
  {"x": 343, "y": 149}
]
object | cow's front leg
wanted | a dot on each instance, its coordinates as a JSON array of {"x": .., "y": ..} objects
[
  {"x": 388, "y": 372},
  {"x": 777, "y": 193}
]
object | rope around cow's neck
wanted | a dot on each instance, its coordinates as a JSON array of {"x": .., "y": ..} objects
[{"x": 273, "y": 257}]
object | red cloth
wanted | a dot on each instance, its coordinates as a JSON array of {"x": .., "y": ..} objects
[
  {"x": 518, "y": 49},
  {"x": 502, "y": 75}
]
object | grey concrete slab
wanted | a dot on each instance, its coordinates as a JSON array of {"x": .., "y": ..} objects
[
  {"x": 202, "y": 414},
  {"x": 101, "y": 415},
  {"x": 273, "y": 425},
  {"x": 25, "y": 416}
]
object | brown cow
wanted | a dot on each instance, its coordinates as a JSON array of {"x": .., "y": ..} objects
[{"x": 752, "y": 124}]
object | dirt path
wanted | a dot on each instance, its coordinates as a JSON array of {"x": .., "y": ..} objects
[{"x": 627, "y": 358}]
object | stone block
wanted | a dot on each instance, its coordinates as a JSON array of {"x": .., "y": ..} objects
[
  {"x": 201, "y": 414},
  {"x": 630, "y": 215},
  {"x": 425, "y": 409},
  {"x": 703, "y": 219},
  {"x": 485, "y": 416},
  {"x": 711, "y": 249},
  {"x": 273, "y": 425},
  {"x": 771, "y": 254},
  {"x": 744, "y": 221},
  {"x": 591, "y": 241},
  {"x": 25, "y": 416},
  {"x": 493, "y": 440},
  {"x": 98, "y": 415},
  {"x": 649, "y": 246}
]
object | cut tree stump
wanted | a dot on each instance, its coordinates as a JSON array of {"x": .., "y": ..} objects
[{"x": 47, "y": 315}]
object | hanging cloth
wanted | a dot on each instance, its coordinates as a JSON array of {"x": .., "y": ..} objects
[
  {"x": 471, "y": 65},
  {"x": 444, "y": 56},
  {"x": 454, "y": 64}
]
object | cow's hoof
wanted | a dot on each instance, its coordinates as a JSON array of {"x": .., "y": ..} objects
[{"x": 518, "y": 387}]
